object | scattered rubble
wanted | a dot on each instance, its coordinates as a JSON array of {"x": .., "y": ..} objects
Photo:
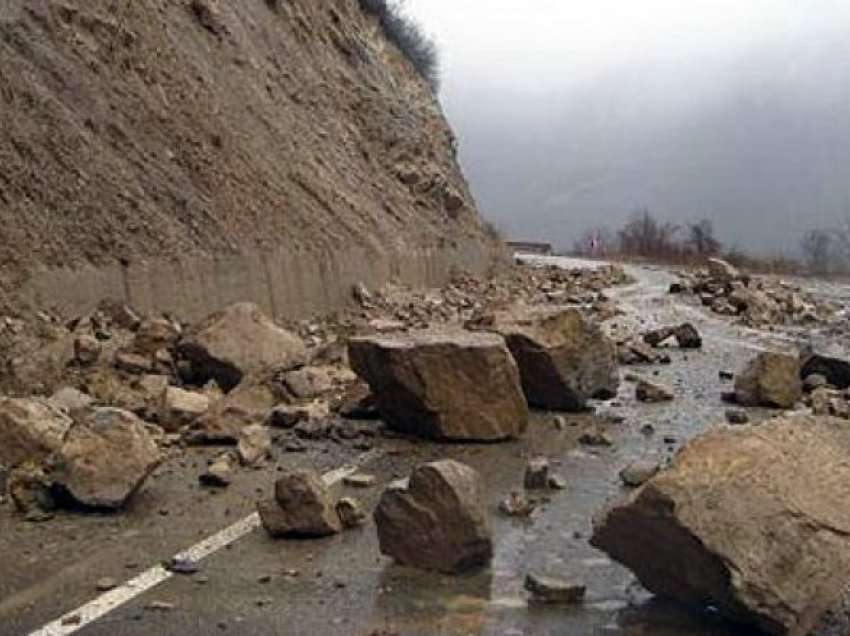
[
  {"x": 686, "y": 335},
  {"x": 756, "y": 301},
  {"x": 771, "y": 379},
  {"x": 633, "y": 351},
  {"x": 438, "y": 522},
  {"x": 451, "y": 385},
  {"x": 825, "y": 401},
  {"x": 302, "y": 507},
  {"x": 724, "y": 525},
  {"x": 564, "y": 359}
]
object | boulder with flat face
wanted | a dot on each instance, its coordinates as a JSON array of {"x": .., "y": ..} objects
[
  {"x": 438, "y": 522},
  {"x": 452, "y": 385},
  {"x": 772, "y": 380},
  {"x": 753, "y": 521},
  {"x": 238, "y": 341},
  {"x": 564, "y": 359},
  {"x": 105, "y": 458},
  {"x": 30, "y": 430}
]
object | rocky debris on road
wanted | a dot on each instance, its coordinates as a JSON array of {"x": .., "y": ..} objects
[
  {"x": 450, "y": 385},
  {"x": 634, "y": 351},
  {"x": 639, "y": 472},
  {"x": 771, "y": 379},
  {"x": 564, "y": 359},
  {"x": 756, "y": 301},
  {"x": 179, "y": 408},
  {"x": 739, "y": 523},
  {"x": 686, "y": 335},
  {"x": 254, "y": 445},
  {"x": 104, "y": 459},
  {"x": 536, "y": 474},
  {"x": 302, "y": 507},
  {"x": 516, "y": 504},
  {"x": 249, "y": 403},
  {"x": 825, "y": 401},
  {"x": 219, "y": 473},
  {"x": 236, "y": 342},
  {"x": 438, "y": 522},
  {"x": 30, "y": 430},
  {"x": 350, "y": 512},
  {"x": 653, "y": 393},
  {"x": 554, "y": 591},
  {"x": 288, "y": 416}
]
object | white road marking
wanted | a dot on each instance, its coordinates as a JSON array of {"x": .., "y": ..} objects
[{"x": 75, "y": 620}]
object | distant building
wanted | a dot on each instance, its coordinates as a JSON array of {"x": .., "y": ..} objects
[{"x": 531, "y": 247}]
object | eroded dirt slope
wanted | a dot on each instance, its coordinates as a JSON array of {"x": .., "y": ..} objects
[{"x": 141, "y": 133}]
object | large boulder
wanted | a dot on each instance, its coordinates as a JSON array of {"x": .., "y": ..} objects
[
  {"x": 753, "y": 521},
  {"x": 105, "y": 458},
  {"x": 302, "y": 507},
  {"x": 453, "y": 385},
  {"x": 771, "y": 379},
  {"x": 238, "y": 341},
  {"x": 438, "y": 522},
  {"x": 563, "y": 358},
  {"x": 30, "y": 430}
]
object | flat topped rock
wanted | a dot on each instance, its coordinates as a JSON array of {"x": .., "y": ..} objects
[
  {"x": 449, "y": 385},
  {"x": 564, "y": 359}
]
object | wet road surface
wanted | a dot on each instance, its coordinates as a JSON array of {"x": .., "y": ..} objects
[{"x": 342, "y": 585}]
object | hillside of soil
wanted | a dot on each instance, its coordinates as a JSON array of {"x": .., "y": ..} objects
[{"x": 180, "y": 155}]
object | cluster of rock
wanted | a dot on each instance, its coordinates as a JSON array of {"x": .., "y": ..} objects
[{"x": 756, "y": 301}]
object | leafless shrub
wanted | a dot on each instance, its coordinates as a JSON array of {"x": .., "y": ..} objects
[{"x": 408, "y": 36}]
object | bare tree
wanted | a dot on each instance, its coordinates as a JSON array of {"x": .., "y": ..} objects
[
  {"x": 701, "y": 238},
  {"x": 817, "y": 248},
  {"x": 644, "y": 235}
]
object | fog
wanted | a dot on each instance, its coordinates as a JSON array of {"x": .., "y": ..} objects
[{"x": 574, "y": 113}]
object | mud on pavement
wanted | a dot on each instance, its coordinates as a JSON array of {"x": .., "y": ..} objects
[{"x": 342, "y": 584}]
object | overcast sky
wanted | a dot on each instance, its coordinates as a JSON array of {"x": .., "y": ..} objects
[{"x": 583, "y": 109}]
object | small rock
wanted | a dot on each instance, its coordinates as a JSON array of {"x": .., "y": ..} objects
[
  {"x": 219, "y": 474},
  {"x": 254, "y": 445},
  {"x": 179, "y": 407},
  {"x": 350, "y": 512},
  {"x": 536, "y": 474},
  {"x": 639, "y": 472},
  {"x": 735, "y": 416},
  {"x": 516, "y": 505},
  {"x": 160, "y": 606},
  {"x": 653, "y": 393},
  {"x": 302, "y": 507},
  {"x": 105, "y": 584},
  {"x": 183, "y": 566},
  {"x": 560, "y": 422},
  {"x": 596, "y": 438},
  {"x": 359, "y": 480},
  {"x": 556, "y": 482},
  {"x": 546, "y": 589},
  {"x": 814, "y": 381},
  {"x": 86, "y": 350}
]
